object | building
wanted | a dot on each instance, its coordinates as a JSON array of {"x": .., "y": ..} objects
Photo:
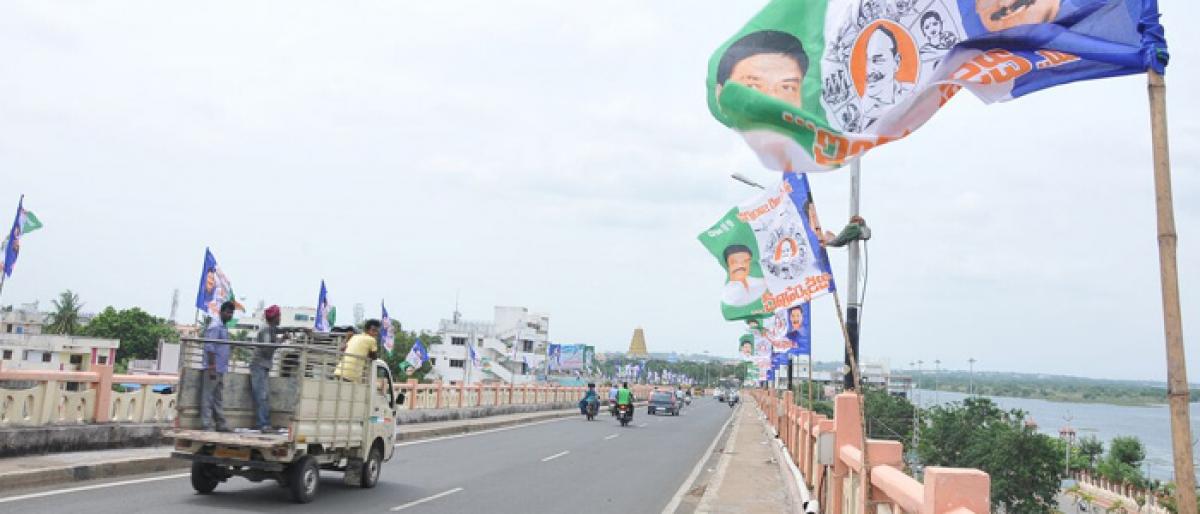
[
  {"x": 56, "y": 352},
  {"x": 510, "y": 348},
  {"x": 23, "y": 319},
  {"x": 289, "y": 318}
]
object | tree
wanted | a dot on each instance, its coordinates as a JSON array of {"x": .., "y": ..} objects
[
  {"x": 888, "y": 417},
  {"x": 1025, "y": 466},
  {"x": 1091, "y": 448},
  {"x": 65, "y": 318},
  {"x": 1124, "y": 460},
  {"x": 403, "y": 343},
  {"x": 138, "y": 332}
]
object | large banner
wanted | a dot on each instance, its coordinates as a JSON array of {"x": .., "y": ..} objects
[
  {"x": 811, "y": 84},
  {"x": 770, "y": 252},
  {"x": 572, "y": 357}
]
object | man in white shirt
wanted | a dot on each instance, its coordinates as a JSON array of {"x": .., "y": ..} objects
[{"x": 741, "y": 289}]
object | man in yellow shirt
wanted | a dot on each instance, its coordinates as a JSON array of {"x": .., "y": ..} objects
[{"x": 365, "y": 346}]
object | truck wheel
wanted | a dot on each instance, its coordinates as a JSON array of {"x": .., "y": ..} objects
[
  {"x": 372, "y": 467},
  {"x": 204, "y": 477},
  {"x": 304, "y": 478}
]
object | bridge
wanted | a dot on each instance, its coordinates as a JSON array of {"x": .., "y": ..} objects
[{"x": 766, "y": 455}]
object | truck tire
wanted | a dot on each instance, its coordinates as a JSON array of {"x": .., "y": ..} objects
[
  {"x": 372, "y": 467},
  {"x": 204, "y": 477},
  {"x": 304, "y": 478}
]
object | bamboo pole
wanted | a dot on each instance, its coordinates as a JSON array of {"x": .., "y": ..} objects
[{"x": 1177, "y": 383}]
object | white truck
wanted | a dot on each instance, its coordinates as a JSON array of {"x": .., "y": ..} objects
[{"x": 336, "y": 412}]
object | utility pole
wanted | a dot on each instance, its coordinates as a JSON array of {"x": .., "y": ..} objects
[
  {"x": 971, "y": 386},
  {"x": 937, "y": 372},
  {"x": 854, "y": 302}
]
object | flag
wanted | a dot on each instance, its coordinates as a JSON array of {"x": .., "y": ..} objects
[
  {"x": 770, "y": 252},
  {"x": 525, "y": 365},
  {"x": 553, "y": 354},
  {"x": 324, "y": 319},
  {"x": 417, "y": 355},
  {"x": 215, "y": 288},
  {"x": 13, "y": 249},
  {"x": 386, "y": 334},
  {"x": 471, "y": 354},
  {"x": 812, "y": 84}
]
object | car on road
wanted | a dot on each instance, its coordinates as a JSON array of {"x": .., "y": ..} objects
[
  {"x": 718, "y": 395},
  {"x": 663, "y": 401}
]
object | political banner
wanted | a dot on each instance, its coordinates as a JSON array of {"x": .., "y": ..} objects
[
  {"x": 386, "y": 335},
  {"x": 571, "y": 357},
  {"x": 789, "y": 330},
  {"x": 553, "y": 354},
  {"x": 215, "y": 288},
  {"x": 324, "y": 318},
  {"x": 812, "y": 84},
  {"x": 770, "y": 252},
  {"x": 417, "y": 355}
]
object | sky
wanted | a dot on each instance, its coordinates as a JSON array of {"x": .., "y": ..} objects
[{"x": 560, "y": 156}]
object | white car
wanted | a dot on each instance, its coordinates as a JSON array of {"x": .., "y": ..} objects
[{"x": 718, "y": 395}]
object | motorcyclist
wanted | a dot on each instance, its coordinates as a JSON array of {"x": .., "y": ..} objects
[
  {"x": 612, "y": 398},
  {"x": 589, "y": 397},
  {"x": 625, "y": 397}
]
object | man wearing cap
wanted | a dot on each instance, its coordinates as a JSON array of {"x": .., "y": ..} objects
[{"x": 260, "y": 368}]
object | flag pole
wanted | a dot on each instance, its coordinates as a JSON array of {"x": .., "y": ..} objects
[{"x": 1177, "y": 383}]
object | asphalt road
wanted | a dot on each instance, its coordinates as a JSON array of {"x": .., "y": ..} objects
[{"x": 565, "y": 465}]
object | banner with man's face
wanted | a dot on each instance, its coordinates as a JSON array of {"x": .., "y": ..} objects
[
  {"x": 770, "y": 252},
  {"x": 812, "y": 84}
]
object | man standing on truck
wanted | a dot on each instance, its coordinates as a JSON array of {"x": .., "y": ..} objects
[
  {"x": 365, "y": 346},
  {"x": 215, "y": 363},
  {"x": 260, "y": 369}
]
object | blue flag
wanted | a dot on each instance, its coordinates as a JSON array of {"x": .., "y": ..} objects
[
  {"x": 386, "y": 335},
  {"x": 417, "y": 355},
  {"x": 14, "y": 239},
  {"x": 471, "y": 354},
  {"x": 322, "y": 322}
]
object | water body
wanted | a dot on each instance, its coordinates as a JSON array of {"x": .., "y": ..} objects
[{"x": 1150, "y": 424}]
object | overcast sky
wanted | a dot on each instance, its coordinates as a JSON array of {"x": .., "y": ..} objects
[{"x": 560, "y": 156}]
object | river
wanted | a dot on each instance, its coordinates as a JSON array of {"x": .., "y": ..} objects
[{"x": 1150, "y": 424}]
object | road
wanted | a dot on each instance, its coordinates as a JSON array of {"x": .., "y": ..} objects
[{"x": 563, "y": 465}]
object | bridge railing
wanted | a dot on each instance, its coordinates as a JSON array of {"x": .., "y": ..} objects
[
  {"x": 448, "y": 396},
  {"x": 46, "y": 399},
  {"x": 829, "y": 454}
]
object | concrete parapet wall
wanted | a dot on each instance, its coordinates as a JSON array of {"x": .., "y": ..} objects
[{"x": 15, "y": 441}]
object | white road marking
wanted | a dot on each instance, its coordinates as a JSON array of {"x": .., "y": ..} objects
[
  {"x": 90, "y": 487},
  {"x": 555, "y": 456},
  {"x": 426, "y": 499},
  {"x": 643, "y": 425},
  {"x": 683, "y": 488},
  {"x": 488, "y": 431},
  {"x": 614, "y": 436}
]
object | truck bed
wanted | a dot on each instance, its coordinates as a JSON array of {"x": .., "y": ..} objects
[{"x": 230, "y": 438}]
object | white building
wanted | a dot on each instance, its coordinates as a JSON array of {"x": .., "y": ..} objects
[
  {"x": 289, "y": 317},
  {"x": 24, "y": 319},
  {"x": 56, "y": 352},
  {"x": 511, "y": 348}
]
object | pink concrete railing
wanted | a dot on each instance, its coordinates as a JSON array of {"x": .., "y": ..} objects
[
  {"x": 48, "y": 402},
  {"x": 446, "y": 396},
  {"x": 840, "y": 486}
]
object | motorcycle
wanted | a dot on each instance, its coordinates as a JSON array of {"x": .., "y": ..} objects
[
  {"x": 592, "y": 408},
  {"x": 732, "y": 401},
  {"x": 625, "y": 414},
  {"x": 612, "y": 408}
]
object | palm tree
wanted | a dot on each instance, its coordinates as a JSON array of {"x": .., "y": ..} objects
[{"x": 65, "y": 318}]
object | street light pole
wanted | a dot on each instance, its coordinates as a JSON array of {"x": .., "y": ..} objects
[
  {"x": 854, "y": 304},
  {"x": 937, "y": 372},
  {"x": 971, "y": 386}
]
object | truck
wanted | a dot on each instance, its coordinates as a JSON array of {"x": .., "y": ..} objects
[{"x": 335, "y": 411}]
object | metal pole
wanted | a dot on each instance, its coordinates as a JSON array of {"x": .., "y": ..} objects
[
  {"x": 971, "y": 387},
  {"x": 1177, "y": 383},
  {"x": 853, "y": 304},
  {"x": 937, "y": 372}
]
